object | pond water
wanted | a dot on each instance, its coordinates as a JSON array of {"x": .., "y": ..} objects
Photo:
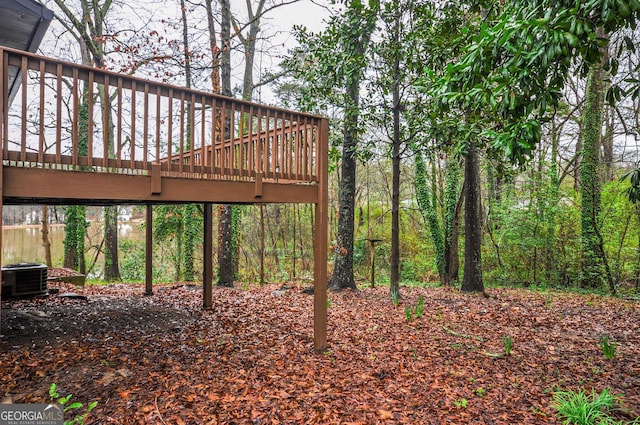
[{"x": 24, "y": 243}]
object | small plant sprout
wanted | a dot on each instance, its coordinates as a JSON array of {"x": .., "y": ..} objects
[
  {"x": 463, "y": 403},
  {"x": 396, "y": 298},
  {"x": 420, "y": 307},
  {"x": 408, "y": 312},
  {"x": 480, "y": 391},
  {"x": 507, "y": 341},
  {"x": 608, "y": 347},
  {"x": 328, "y": 303},
  {"x": 67, "y": 405}
]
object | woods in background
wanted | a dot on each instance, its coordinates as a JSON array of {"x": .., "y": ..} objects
[{"x": 483, "y": 143}]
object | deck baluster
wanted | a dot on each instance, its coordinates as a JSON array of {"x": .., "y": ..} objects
[
  {"x": 24, "y": 70},
  {"x": 170, "y": 132},
  {"x": 158, "y": 120},
  {"x": 132, "y": 137},
  {"x": 90, "y": 101},
  {"x": 41, "y": 108},
  {"x": 145, "y": 130},
  {"x": 204, "y": 152},
  {"x": 119, "y": 125},
  {"x": 74, "y": 126},
  {"x": 192, "y": 132}
]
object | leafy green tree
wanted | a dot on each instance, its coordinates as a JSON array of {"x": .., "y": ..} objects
[
  {"x": 594, "y": 263},
  {"x": 438, "y": 36},
  {"x": 396, "y": 104},
  {"x": 332, "y": 64},
  {"x": 518, "y": 63}
]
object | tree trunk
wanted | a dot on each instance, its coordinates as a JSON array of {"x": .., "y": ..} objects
[
  {"x": 472, "y": 279},
  {"x": 342, "y": 277},
  {"x": 427, "y": 207},
  {"x": 111, "y": 265},
  {"x": 607, "y": 147},
  {"x": 592, "y": 264},
  {"x": 191, "y": 226},
  {"x": 76, "y": 223},
  {"x": 213, "y": 46},
  {"x": 394, "y": 283},
  {"x": 453, "y": 256},
  {"x": 452, "y": 205},
  {"x": 226, "y": 275},
  {"x": 46, "y": 243},
  {"x": 226, "y": 267}
]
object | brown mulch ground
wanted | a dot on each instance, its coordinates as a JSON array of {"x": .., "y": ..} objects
[{"x": 250, "y": 360}]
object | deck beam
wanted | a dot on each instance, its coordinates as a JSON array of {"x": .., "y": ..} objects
[{"x": 35, "y": 185}]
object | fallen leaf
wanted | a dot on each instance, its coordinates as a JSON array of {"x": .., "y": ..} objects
[{"x": 385, "y": 414}]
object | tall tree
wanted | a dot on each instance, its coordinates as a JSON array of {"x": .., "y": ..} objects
[
  {"x": 391, "y": 52},
  {"x": 88, "y": 28},
  {"x": 595, "y": 269},
  {"x": 472, "y": 279},
  {"x": 332, "y": 65},
  {"x": 226, "y": 249},
  {"x": 356, "y": 29},
  {"x": 436, "y": 37},
  {"x": 246, "y": 31}
]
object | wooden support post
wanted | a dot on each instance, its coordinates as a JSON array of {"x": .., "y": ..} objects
[
  {"x": 207, "y": 258},
  {"x": 149, "y": 252},
  {"x": 321, "y": 242}
]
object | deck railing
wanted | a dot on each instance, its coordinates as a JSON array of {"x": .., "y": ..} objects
[{"x": 77, "y": 118}]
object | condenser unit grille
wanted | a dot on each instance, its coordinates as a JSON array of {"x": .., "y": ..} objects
[{"x": 24, "y": 279}]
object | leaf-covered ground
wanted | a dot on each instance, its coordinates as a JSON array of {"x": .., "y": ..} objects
[{"x": 250, "y": 360}]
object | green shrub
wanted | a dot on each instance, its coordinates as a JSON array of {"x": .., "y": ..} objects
[
  {"x": 132, "y": 260},
  {"x": 580, "y": 408}
]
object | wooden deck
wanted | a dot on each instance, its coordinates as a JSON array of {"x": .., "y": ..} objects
[{"x": 81, "y": 135}]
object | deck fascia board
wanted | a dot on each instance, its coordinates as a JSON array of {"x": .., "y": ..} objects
[{"x": 42, "y": 186}]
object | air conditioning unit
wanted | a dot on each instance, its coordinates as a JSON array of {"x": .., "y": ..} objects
[{"x": 24, "y": 279}]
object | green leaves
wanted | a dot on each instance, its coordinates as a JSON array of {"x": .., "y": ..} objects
[
  {"x": 580, "y": 408},
  {"x": 633, "y": 192},
  {"x": 65, "y": 401},
  {"x": 513, "y": 70}
]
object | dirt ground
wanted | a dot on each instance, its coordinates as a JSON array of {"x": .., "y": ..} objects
[
  {"x": 89, "y": 314},
  {"x": 161, "y": 359}
]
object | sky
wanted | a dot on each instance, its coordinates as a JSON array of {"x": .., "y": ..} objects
[{"x": 276, "y": 29}]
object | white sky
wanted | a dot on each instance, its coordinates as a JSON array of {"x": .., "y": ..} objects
[{"x": 276, "y": 28}]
